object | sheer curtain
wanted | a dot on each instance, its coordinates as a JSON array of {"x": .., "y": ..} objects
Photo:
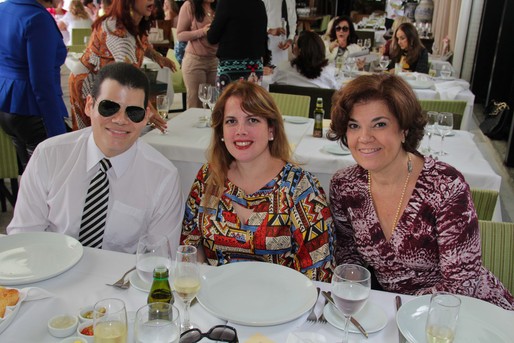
[{"x": 445, "y": 22}]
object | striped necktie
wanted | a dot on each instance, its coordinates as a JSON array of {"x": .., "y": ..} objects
[{"x": 95, "y": 208}]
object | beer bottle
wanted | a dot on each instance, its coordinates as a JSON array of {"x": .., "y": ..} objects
[
  {"x": 160, "y": 291},
  {"x": 319, "y": 114}
]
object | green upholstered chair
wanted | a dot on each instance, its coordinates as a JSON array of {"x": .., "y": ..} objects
[
  {"x": 485, "y": 202},
  {"x": 313, "y": 92},
  {"x": 177, "y": 80},
  {"x": 323, "y": 24},
  {"x": 498, "y": 250},
  {"x": 457, "y": 107},
  {"x": 292, "y": 105},
  {"x": 78, "y": 34},
  {"x": 8, "y": 170}
]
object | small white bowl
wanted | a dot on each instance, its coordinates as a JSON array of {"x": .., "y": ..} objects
[
  {"x": 89, "y": 339},
  {"x": 62, "y": 325},
  {"x": 86, "y": 314},
  {"x": 74, "y": 339}
]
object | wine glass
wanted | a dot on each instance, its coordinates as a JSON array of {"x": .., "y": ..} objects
[
  {"x": 430, "y": 128},
  {"x": 444, "y": 127},
  {"x": 446, "y": 71},
  {"x": 152, "y": 251},
  {"x": 360, "y": 42},
  {"x": 384, "y": 62},
  {"x": 367, "y": 43},
  {"x": 350, "y": 65},
  {"x": 110, "y": 321},
  {"x": 186, "y": 280},
  {"x": 351, "y": 285},
  {"x": 203, "y": 93},
  {"x": 157, "y": 322},
  {"x": 162, "y": 105},
  {"x": 339, "y": 64},
  {"x": 214, "y": 95}
]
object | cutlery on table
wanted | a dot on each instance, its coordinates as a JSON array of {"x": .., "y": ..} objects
[
  {"x": 398, "y": 304},
  {"x": 312, "y": 318},
  {"x": 121, "y": 282},
  {"x": 354, "y": 321},
  {"x": 321, "y": 319}
]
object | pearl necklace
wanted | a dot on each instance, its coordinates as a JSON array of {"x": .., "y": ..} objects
[{"x": 409, "y": 170}]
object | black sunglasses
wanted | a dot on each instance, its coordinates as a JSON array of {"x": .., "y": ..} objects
[
  {"x": 343, "y": 28},
  {"x": 108, "y": 108},
  {"x": 218, "y": 333}
]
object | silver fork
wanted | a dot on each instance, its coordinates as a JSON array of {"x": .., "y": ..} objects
[
  {"x": 121, "y": 283},
  {"x": 312, "y": 318}
]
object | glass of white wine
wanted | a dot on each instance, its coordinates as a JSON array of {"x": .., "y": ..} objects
[
  {"x": 351, "y": 285},
  {"x": 442, "y": 318},
  {"x": 186, "y": 280},
  {"x": 163, "y": 105},
  {"x": 110, "y": 321},
  {"x": 164, "y": 328}
]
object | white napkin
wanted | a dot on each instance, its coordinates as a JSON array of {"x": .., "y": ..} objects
[
  {"x": 448, "y": 90},
  {"x": 306, "y": 337}
]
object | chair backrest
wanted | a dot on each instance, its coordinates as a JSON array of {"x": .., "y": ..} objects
[
  {"x": 176, "y": 77},
  {"x": 497, "y": 241},
  {"x": 78, "y": 34},
  {"x": 314, "y": 93},
  {"x": 324, "y": 24},
  {"x": 457, "y": 107},
  {"x": 485, "y": 202},
  {"x": 292, "y": 105},
  {"x": 8, "y": 160}
]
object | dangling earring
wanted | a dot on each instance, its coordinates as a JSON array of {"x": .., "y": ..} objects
[
  {"x": 271, "y": 138},
  {"x": 222, "y": 139}
]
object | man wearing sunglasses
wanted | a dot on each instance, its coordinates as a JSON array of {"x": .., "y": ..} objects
[{"x": 102, "y": 185}]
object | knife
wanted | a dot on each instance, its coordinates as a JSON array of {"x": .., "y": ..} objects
[
  {"x": 398, "y": 303},
  {"x": 354, "y": 321}
]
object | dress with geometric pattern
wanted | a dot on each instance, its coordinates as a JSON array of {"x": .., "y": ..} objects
[{"x": 291, "y": 224}]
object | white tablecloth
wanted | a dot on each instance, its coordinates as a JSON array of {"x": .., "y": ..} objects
[{"x": 84, "y": 284}]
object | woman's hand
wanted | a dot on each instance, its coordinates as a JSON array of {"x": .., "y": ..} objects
[
  {"x": 155, "y": 119},
  {"x": 166, "y": 62},
  {"x": 285, "y": 45},
  {"x": 277, "y": 31},
  {"x": 333, "y": 45}
]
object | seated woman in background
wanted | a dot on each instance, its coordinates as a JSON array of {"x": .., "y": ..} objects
[
  {"x": 309, "y": 67},
  {"x": 343, "y": 39},
  {"x": 250, "y": 202},
  {"x": 384, "y": 49},
  {"x": 75, "y": 18},
  {"x": 408, "y": 50},
  {"x": 407, "y": 216}
]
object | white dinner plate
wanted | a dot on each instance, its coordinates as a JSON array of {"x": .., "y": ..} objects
[
  {"x": 418, "y": 84},
  {"x": 296, "y": 119},
  {"x": 372, "y": 318},
  {"x": 479, "y": 321},
  {"x": 35, "y": 256},
  {"x": 138, "y": 283},
  {"x": 256, "y": 293},
  {"x": 336, "y": 149},
  {"x": 449, "y": 134}
]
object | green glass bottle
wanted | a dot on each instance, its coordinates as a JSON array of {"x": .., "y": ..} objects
[
  {"x": 319, "y": 114},
  {"x": 160, "y": 292}
]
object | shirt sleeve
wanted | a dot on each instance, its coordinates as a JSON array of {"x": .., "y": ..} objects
[
  {"x": 291, "y": 18},
  {"x": 218, "y": 24},
  {"x": 185, "y": 22}
]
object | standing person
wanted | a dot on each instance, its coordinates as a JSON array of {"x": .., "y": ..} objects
[
  {"x": 200, "y": 62},
  {"x": 90, "y": 8},
  {"x": 76, "y": 17},
  {"x": 280, "y": 38},
  {"x": 407, "y": 216},
  {"x": 239, "y": 29},
  {"x": 121, "y": 35},
  {"x": 32, "y": 50},
  {"x": 408, "y": 50},
  {"x": 140, "y": 188},
  {"x": 250, "y": 202},
  {"x": 171, "y": 11}
]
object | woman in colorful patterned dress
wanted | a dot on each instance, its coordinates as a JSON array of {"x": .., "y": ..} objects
[
  {"x": 121, "y": 35},
  {"x": 250, "y": 202},
  {"x": 407, "y": 216}
]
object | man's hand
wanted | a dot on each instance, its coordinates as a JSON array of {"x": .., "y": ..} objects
[
  {"x": 276, "y": 31},
  {"x": 155, "y": 119},
  {"x": 285, "y": 45}
]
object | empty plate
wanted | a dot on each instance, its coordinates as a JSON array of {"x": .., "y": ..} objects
[
  {"x": 296, "y": 120},
  {"x": 336, "y": 149},
  {"x": 372, "y": 318}
]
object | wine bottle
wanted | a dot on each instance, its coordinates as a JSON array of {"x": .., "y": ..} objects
[
  {"x": 319, "y": 114},
  {"x": 160, "y": 292}
]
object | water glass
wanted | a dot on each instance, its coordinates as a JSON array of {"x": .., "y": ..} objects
[
  {"x": 110, "y": 321},
  {"x": 152, "y": 251},
  {"x": 360, "y": 42},
  {"x": 446, "y": 71},
  {"x": 213, "y": 97},
  {"x": 442, "y": 319},
  {"x": 444, "y": 127},
  {"x": 157, "y": 322}
]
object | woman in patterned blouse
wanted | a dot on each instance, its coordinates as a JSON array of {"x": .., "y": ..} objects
[
  {"x": 121, "y": 35},
  {"x": 407, "y": 216},
  {"x": 250, "y": 202}
]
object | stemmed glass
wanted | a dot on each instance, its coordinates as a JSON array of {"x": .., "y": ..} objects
[
  {"x": 430, "y": 128},
  {"x": 110, "y": 321},
  {"x": 384, "y": 62},
  {"x": 350, "y": 65},
  {"x": 444, "y": 127},
  {"x": 351, "y": 285},
  {"x": 446, "y": 71},
  {"x": 214, "y": 95},
  {"x": 152, "y": 251},
  {"x": 186, "y": 280},
  {"x": 339, "y": 64},
  {"x": 367, "y": 43},
  {"x": 204, "y": 94},
  {"x": 163, "y": 105}
]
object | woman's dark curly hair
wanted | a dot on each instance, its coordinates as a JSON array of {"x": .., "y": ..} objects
[
  {"x": 311, "y": 55},
  {"x": 394, "y": 91},
  {"x": 352, "y": 37}
]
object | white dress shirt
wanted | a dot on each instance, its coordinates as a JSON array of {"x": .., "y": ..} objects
[
  {"x": 144, "y": 196},
  {"x": 285, "y": 74},
  {"x": 274, "y": 13},
  {"x": 350, "y": 49}
]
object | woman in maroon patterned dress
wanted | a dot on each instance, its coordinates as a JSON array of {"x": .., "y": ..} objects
[{"x": 407, "y": 216}]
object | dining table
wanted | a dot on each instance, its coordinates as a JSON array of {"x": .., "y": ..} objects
[
  {"x": 84, "y": 283},
  {"x": 185, "y": 145}
]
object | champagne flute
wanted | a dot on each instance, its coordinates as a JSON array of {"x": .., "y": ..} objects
[
  {"x": 351, "y": 286},
  {"x": 214, "y": 95},
  {"x": 186, "y": 280},
  {"x": 444, "y": 127},
  {"x": 430, "y": 128},
  {"x": 110, "y": 321},
  {"x": 203, "y": 93},
  {"x": 157, "y": 322},
  {"x": 339, "y": 64},
  {"x": 162, "y": 105},
  {"x": 152, "y": 251}
]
